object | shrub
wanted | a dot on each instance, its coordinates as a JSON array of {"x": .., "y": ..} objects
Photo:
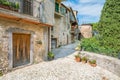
[
  {"x": 93, "y": 45},
  {"x": 109, "y": 26}
]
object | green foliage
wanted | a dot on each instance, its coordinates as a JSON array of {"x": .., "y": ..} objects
[
  {"x": 1, "y": 74},
  {"x": 2, "y": 1},
  {"x": 17, "y": 5},
  {"x": 50, "y": 55},
  {"x": 108, "y": 40},
  {"x": 93, "y": 45},
  {"x": 84, "y": 58},
  {"x": 95, "y": 26},
  {"x": 6, "y": 3},
  {"x": 109, "y": 25},
  {"x": 92, "y": 61},
  {"x": 14, "y": 5},
  {"x": 90, "y": 44},
  {"x": 77, "y": 55}
]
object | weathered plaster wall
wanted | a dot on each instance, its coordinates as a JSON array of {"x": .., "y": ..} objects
[
  {"x": 49, "y": 10},
  {"x": 39, "y": 33},
  {"x": 62, "y": 30},
  {"x": 44, "y": 10}
]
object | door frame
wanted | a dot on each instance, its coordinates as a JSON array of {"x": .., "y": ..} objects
[{"x": 10, "y": 42}]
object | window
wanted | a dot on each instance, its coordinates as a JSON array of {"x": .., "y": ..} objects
[
  {"x": 63, "y": 10},
  {"x": 52, "y": 28},
  {"x": 56, "y": 7},
  {"x": 27, "y": 7}
]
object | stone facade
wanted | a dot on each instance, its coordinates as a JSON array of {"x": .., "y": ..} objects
[
  {"x": 62, "y": 31},
  {"x": 62, "y": 26},
  {"x": 8, "y": 27},
  {"x": 86, "y": 30},
  {"x": 35, "y": 25}
]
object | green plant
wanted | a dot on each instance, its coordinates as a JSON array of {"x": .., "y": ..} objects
[
  {"x": 50, "y": 55},
  {"x": 77, "y": 55},
  {"x": 6, "y": 3},
  {"x": 84, "y": 58},
  {"x": 16, "y": 5},
  {"x": 2, "y": 1},
  {"x": 92, "y": 61},
  {"x": 13, "y": 5},
  {"x": 1, "y": 74}
]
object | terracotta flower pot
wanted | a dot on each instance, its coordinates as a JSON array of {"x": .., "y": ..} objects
[
  {"x": 93, "y": 65},
  {"x": 8, "y": 7},
  {"x": 77, "y": 59},
  {"x": 4, "y": 6}
]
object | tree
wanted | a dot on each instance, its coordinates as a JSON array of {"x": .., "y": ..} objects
[{"x": 109, "y": 26}]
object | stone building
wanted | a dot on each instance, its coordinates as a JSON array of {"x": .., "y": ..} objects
[
  {"x": 86, "y": 30},
  {"x": 64, "y": 20},
  {"x": 74, "y": 25},
  {"x": 25, "y": 32}
]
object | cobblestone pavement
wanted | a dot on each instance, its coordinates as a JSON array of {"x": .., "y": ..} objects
[
  {"x": 64, "y": 51},
  {"x": 63, "y": 68}
]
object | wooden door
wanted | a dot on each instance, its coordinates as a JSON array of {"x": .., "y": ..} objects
[{"x": 21, "y": 49}]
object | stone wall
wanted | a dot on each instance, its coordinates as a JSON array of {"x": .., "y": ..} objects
[
  {"x": 106, "y": 62},
  {"x": 38, "y": 33},
  {"x": 62, "y": 30},
  {"x": 44, "y": 10},
  {"x": 86, "y": 30}
]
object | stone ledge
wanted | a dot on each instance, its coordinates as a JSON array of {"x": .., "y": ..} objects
[{"x": 109, "y": 63}]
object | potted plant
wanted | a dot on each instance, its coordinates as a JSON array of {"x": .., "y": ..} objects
[
  {"x": 84, "y": 59},
  {"x": 50, "y": 56},
  {"x": 1, "y": 74},
  {"x": 78, "y": 48},
  {"x": 4, "y": 4},
  {"x": 77, "y": 58},
  {"x": 93, "y": 63}
]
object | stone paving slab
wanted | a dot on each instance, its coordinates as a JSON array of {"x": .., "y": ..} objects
[{"x": 61, "y": 69}]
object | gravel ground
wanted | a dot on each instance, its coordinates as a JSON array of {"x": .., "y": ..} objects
[{"x": 64, "y": 68}]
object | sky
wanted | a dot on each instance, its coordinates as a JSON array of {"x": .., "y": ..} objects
[{"x": 89, "y": 11}]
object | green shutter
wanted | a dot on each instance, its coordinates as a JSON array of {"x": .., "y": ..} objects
[
  {"x": 56, "y": 7},
  {"x": 63, "y": 10}
]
